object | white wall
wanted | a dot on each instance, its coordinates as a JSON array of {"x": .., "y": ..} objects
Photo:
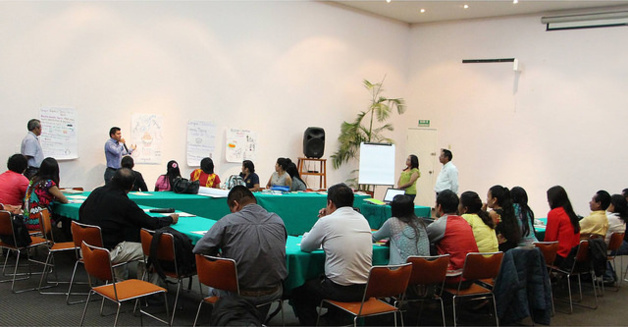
[
  {"x": 561, "y": 121},
  {"x": 272, "y": 67}
]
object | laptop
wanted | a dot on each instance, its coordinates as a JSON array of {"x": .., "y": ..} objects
[{"x": 391, "y": 193}]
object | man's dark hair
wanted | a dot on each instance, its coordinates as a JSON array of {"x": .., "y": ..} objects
[
  {"x": 123, "y": 179},
  {"x": 604, "y": 198},
  {"x": 448, "y": 154},
  {"x": 340, "y": 195},
  {"x": 127, "y": 162},
  {"x": 17, "y": 163},
  {"x": 241, "y": 194},
  {"x": 113, "y": 130},
  {"x": 32, "y": 124},
  {"x": 448, "y": 201}
]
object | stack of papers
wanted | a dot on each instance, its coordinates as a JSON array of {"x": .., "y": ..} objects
[
  {"x": 213, "y": 192},
  {"x": 374, "y": 201}
]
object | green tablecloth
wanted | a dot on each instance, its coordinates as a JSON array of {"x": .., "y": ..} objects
[
  {"x": 377, "y": 214},
  {"x": 299, "y": 211},
  {"x": 301, "y": 265}
]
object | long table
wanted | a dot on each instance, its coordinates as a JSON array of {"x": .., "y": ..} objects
[
  {"x": 299, "y": 211},
  {"x": 301, "y": 265}
]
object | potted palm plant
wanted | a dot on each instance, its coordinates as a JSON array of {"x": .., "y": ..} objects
[{"x": 368, "y": 127}]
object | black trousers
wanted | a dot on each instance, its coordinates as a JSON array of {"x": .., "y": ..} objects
[{"x": 306, "y": 298}]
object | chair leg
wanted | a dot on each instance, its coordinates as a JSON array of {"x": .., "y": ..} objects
[
  {"x": 442, "y": 309},
  {"x": 115, "y": 322},
  {"x": 495, "y": 309},
  {"x": 85, "y": 308},
  {"x": 198, "y": 312},
  {"x": 176, "y": 300},
  {"x": 454, "y": 308}
]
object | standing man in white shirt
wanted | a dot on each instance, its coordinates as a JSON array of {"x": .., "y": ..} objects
[
  {"x": 345, "y": 236},
  {"x": 448, "y": 176},
  {"x": 31, "y": 148}
]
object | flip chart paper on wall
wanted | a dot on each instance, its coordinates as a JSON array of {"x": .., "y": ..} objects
[
  {"x": 58, "y": 137},
  {"x": 201, "y": 141},
  {"x": 377, "y": 164}
]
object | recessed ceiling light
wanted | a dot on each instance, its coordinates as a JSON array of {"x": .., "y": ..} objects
[
  {"x": 422, "y": 10},
  {"x": 515, "y": 1},
  {"x": 388, "y": 1},
  {"x": 465, "y": 6}
]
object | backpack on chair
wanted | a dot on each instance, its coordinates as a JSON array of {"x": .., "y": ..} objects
[
  {"x": 234, "y": 180},
  {"x": 186, "y": 263}
]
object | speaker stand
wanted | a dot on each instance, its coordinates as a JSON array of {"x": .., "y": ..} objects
[{"x": 321, "y": 173}]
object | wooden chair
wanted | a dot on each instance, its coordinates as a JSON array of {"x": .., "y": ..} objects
[
  {"x": 549, "y": 250},
  {"x": 383, "y": 282},
  {"x": 97, "y": 262},
  {"x": 165, "y": 252},
  {"x": 581, "y": 265},
  {"x": 6, "y": 229},
  {"x": 91, "y": 235},
  {"x": 477, "y": 266},
  {"x": 220, "y": 273},
  {"x": 614, "y": 244},
  {"x": 53, "y": 247},
  {"x": 428, "y": 273}
]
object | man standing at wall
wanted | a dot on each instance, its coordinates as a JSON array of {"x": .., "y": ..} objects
[
  {"x": 31, "y": 148},
  {"x": 115, "y": 148},
  {"x": 448, "y": 176}
]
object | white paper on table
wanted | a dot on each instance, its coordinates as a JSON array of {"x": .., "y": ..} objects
[
  {"x": 141, "y": 193},
  {"x": 185, "y": 214},
  {"x": 202, "y": 232},
  {"x": 75, "y": 201},
  {"x": 213, "y": 192},
  {"x": 76, "y": 197}
]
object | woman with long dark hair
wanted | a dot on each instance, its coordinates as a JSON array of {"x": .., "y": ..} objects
[
  {"x": 205, "y": 175},
  {"x": 503, "y": 214},
  {"x": 470, "y": 208},
  {"x": 524, "y": 214},
  {"x": 409, "y": 176},
  {"x": 165, "y": 181},
  {"x": 617, "y": 214},
  {"x": 280, "y": 177},
  {"x": 297, "y": 183},
  {"x": 249, "y": 176},
  {"x": 562, "y": 223},
  {"x": 406, "y": 231},
  {"x": 42, "y": 191}
]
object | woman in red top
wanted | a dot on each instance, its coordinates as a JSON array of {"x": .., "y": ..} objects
[
  {"x": 562, "y": 223},
  {"x": 205, "y": 175}
]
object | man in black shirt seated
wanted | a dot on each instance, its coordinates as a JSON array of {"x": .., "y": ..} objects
[{"x": 120, "y": 219}]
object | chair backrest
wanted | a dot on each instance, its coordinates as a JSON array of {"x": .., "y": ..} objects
[
  {"x": 549, "y": 250},
  {"x": 165, "y": 249},
  {"x": 428, "y": 270},
  {"x": 615, "y": 242},
  {"x": 45, "y": 224},
  {"x": 6, "y": 223},
  {"x": 582, "y": 255},
  {"x": 89, "y": 233},
  {"x": 220, "y": 273},
  {"x": 386, "y": 281},
  {"x": 482, "y": 265},
  {"x": 97, "y": 262},
  {"x": 1, "y": 206}
]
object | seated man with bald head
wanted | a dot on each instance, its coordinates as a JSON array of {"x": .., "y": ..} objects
[{"x": 120, "y": 218}]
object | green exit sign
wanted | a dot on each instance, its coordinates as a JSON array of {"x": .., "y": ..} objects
[{"x": 424, "y": 123}]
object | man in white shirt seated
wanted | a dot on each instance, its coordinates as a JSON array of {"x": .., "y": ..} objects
[
  {"x": 448, "y": 177},
  {"x": 345, "y": 236}
]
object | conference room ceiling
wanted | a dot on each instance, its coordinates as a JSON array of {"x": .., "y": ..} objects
[{"x": 409, "y": 11}]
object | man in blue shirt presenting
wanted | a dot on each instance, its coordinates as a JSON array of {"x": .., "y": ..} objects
[{"x": 115, "y": 148}]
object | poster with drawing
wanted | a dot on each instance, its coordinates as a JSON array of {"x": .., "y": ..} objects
[
  {"x": 146, "y": 133},
  {"x": 240, "y": 145},
  {"x": 58, "y": 137},
  {"x": 201, "y": 141}
]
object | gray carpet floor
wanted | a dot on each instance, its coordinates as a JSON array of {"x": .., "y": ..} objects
[{"x": 34, "y": 309}]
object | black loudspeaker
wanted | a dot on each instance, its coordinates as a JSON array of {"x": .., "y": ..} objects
[{"x": 314, "y": 142}]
